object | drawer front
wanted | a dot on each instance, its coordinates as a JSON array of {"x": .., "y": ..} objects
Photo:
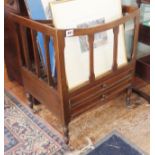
[
  {"x": 103, "y": 93},
  {"x": 102, "y": 86}
]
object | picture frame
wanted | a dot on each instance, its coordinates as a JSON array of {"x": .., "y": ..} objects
[{"x": 83, "y": 14}]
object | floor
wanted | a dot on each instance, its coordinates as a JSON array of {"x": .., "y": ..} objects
[{"x": 132, "y": 123}]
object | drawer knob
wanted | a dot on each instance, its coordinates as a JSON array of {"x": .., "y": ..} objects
[
  {"x": 103, "y": 97},
  {"x": 104, "y": 85}
]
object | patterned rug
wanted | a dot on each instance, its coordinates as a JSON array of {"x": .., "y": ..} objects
[
  {"x": 115, "y": 144},
  {"x": 26, "y": 134}
]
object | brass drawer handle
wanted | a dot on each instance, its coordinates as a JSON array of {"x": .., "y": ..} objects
[
  {"x": 104, "y": 86},
  {"x": 103, "y": 97}
]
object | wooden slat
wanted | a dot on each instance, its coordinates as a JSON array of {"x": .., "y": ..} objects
[
  {"x": 18, "y": 47},
  {"x": 39, "y": 27},
  {"x": 48, "y": 65},
  {"x": 91, "y": 57},
  {"x": 25, "y": 46},
  {"x": 115, "y": 48},
  {"x": 36, "y": 54}
]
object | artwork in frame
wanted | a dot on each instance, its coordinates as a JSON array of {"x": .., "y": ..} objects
[
  {"x": 40, "y": 10},
  {"x": 83, "y": 14}
]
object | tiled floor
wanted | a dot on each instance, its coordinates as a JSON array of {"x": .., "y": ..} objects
[{"x": 133, "y": 124}]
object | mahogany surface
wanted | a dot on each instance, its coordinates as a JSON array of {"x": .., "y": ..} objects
[
  {"x": 54, "y": 93},
  {"x": 10, "y": 54}
]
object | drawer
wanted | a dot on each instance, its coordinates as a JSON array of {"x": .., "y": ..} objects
[
  {"x": 99, "y": 88},
  {"x": 101, "y": 95}
]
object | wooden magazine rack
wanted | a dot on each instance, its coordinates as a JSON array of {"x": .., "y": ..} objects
[{"x": 54, "y": 93}]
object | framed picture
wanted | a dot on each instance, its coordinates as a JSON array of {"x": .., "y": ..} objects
[{"x": 81, "y": 14}]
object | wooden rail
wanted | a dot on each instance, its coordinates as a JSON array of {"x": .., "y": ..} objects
[{"x": 60, "y": 100}]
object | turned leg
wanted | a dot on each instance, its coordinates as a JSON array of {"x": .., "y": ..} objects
[
  {"x": 66, "y": 134},
  {"x": 31, "y": 100},
  {"x": 128, "y": 97}
]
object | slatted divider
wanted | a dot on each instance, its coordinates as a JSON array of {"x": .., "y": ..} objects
[
  {"x": 115, "y": 48},
  {"x": 36, "y": 54},
  {"x": 25, "y": 46},
  {"x": 91, "y": 57},
  {"x": 47, "y": 55}
]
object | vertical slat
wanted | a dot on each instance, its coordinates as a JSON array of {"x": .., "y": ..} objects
[
  {"x": 91, "y": 57},
  {"x": 25, "y": 46},
  {"x": 47, "y": 55},
  {"x": 36, "y": 54},
  {"x": 17, "y": 37},
  {"x": 115, "y": 48}
]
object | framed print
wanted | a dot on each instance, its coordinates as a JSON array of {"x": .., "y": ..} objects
[{"x": 82, "y": 14}]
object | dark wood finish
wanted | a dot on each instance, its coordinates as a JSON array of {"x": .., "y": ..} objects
[
  {"x": 48, "y": 65},
  {"x": 144, "y": 34},
  {"x": 137, "y": 84},
  {"x": 141, "y": 93},
  {"x": 62, "y": 82},
  {"x": 115, "y": 31},
  {"x": 143, "y": 64},
  {"x": 144, "y": 37},
  {"x": 41, "y": 91},
  {"x": 10, "y": 51},
  {"x": 68, "y": 104},
  {"x": 10, "y": 54},
  {"x": 100, "y": 88},
  {"x": 36, "y": 54},
  {"x": 25, "y": 46},
  {"x": 143, "y": 68},
  {"x": 91, "y": 57}
]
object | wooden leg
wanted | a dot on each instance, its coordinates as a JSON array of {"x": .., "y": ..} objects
[
  {"x": 31, "y": 100},
  {"x": 66, "y": 134},
  {"x": 128, "y": 97}
]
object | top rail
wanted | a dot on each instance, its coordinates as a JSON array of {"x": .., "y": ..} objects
[
  {"x": 29, "y": 23},
  {"x": 133, "y": 12}
]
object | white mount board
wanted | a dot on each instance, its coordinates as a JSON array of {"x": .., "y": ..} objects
[{"x": 81, "y": 13}]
